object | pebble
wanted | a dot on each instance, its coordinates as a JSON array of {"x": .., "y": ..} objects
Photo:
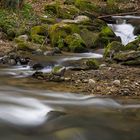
[
  {"x": 116, "y": 82},
  {"x": 91, "y": 82},
  {"x": 67, "y": 79},
  {"x": 102, "y": 65}
]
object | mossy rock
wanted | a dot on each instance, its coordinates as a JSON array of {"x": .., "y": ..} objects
[
  {"x": 107, "y": 31},
  {"x": 104, "y": 37},
  {"x": 99, "y": 24},
  {"x": 128, "y": 57},
  {"x": 21, "y": 38},
  {"x": 58, "y": 70},
  {"x": 69, "y": 2},
  {"x": 75, "y": 43},
  {"x": 61, "y": 11},
  {"x": 85, "y": 5},
  {"x": 27, "y": 46},
  {"x": 88, "y": 37},
  {"x": 134, "y": 45},
  {"x": 48, "y": 20},
  {"x": 92, "y": 63},
  {"x": 112, "y": 48},
  {"x": 59, "y": 31},
  {"x": 132, "y": 62},
  {"x": 39, "y": 33}
]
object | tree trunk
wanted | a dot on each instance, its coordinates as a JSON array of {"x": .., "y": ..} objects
[{"x": 11, "y": 3}]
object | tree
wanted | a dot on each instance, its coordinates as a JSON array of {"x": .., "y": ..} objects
[{"x": 11, "y": 3}]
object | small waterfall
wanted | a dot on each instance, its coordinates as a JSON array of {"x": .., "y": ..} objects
[{"x": 123, "y": 29}]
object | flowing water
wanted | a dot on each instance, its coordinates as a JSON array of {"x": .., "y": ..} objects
[{"x": 29, "y": 111}]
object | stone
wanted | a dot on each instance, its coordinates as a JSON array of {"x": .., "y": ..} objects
[
  {"x": 75, "y": 43},
  {"x": 58, "y": 71},
  {"x": 23, "y": 38},
  {"x": 128, "y": 57},
  {"x": 116, "y": 82},
  {"x": 112, "y": 48},
  {"x": 91, "y": 83},
  {"x": 37, "y": 66},
  {"x": 92, "y": 63},
  {"x": 39, "y": 33}
]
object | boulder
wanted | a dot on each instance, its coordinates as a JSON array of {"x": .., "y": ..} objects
[
  {"x": 58, "y": 32},
  {"x": 61, "y": 10},
  {"x": 92, "y": 63},
  {"x": 113, "y": 48},
  {"x": 75, "y": 43},
  {"x": 128, "y": 57},
  {"x": 134, "y": 45},
  {"x": 104, "y": 37},
  {"x": 39, "y": 33}
]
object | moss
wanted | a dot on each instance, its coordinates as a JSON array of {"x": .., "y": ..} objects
[
  {"x": 107, "y": 31},
  {"x": 99, "y": 24},
  {"x": 131, "y": 46},
  {"x": 38, "y": 33},
  {"x": 134, "y": 45},
  {"x": 88, "y": 37},
  {"x": 75, "y": 43},
  {"x": 59, "y": 31},
  {"x": 61, "y": 11},
  {"x": 24, "y": 46},
  {"x": 15, "y": 23},
  {"x": 128, "y": 57},
  {"x": 85, "y": 5},
  {"x": 48, "y": 20},
  {"x": 92, "y": 63},
  {"x": 113, "y": 47},
  {"x": 69, "y": 2},
  {"x": 104, "y": 37}
]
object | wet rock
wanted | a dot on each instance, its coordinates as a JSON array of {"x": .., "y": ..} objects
[
  {"x": 37, "y": 66},
  {"x": 58, "y": 71},
  {"x": 14, "y": 59},
  {"x": 38, "y": 75},
  {"x": 24, "y": 61},
  {"x": 112, "y": 48}
]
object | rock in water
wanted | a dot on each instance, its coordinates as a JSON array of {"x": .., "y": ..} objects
[{"x": 59, "y": 70}]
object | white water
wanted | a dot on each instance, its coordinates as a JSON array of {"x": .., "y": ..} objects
[{"x": 124, "y": 30}]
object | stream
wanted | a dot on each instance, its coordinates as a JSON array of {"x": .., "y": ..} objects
[{"x": 29, "y": 111}]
